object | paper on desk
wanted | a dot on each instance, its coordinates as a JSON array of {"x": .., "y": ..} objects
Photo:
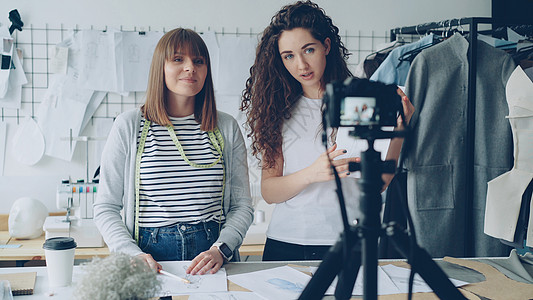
[
  {"x": 275, "y": 283},
  {"x": 386, "y": 286},
  {"x": 235, "y": 295},
  {"x": 400, "y": 277},
  {"x": 208, "y": 283}
]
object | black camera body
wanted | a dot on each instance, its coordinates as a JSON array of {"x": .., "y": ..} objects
[{"x": 361, "y": 103}]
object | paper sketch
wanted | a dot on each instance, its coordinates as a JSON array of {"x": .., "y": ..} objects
[
  {"x": 138, "y": 50},
  {"x": 3, "y": 139},
  {"x": 400, "y": 277},
  {"x": 385, "y": 285},
  {"x": 236, "y": 56},
  {"x": 286, "y": 285},
  {"x": 275, "y": 283},
  {"x": 66, "y": 108},
  {"x": 211, "y": 42},
  {"x": 235, "y": 295},
  {"x": 98, "y": 70},
  {"x": 59, "y": 60},
  {"x": 209, "y": 283},
  {"x": 17, "y": 78}
]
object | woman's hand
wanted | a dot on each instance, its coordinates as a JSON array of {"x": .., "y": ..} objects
[
  {"x": 205, "y": 261},
  {"x": 147, "y": 258},
  {"x": 408, "y": 109},
  {"x": 320, "y": 170}
]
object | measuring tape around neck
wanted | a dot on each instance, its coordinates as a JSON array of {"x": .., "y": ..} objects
[{"x": 216, "y": 139}]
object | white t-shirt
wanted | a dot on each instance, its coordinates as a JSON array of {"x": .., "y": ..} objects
[{"x": 313, "y": 216}]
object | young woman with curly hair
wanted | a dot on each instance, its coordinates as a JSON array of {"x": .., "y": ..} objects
[{"x": 299, "y": 52}]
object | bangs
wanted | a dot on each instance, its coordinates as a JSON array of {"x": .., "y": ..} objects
[{"x": 186, "y": 43}]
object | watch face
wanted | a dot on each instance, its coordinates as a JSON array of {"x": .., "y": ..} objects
[{"x": 225, "y": 250}]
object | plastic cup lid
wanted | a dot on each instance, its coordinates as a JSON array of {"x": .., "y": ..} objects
[{"x": 59, "y": 243}]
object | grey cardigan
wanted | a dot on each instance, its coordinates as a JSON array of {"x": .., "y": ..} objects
[{"x": 114, "y": 209}]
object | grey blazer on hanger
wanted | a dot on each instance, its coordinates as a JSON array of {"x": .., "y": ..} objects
[{"x": 435, "y": 155}]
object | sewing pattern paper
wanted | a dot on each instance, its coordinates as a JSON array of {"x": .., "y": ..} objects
[
  {"x": 208, "y": 283},
  {"x": 98, "y": 70},
  {"x": 137, "y": 51},
  {"x": 17, "y": 78},
  {"x": 66, "y": 107}
]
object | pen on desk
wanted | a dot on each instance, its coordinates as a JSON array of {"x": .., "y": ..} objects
[{"x": 173, "y": 276}]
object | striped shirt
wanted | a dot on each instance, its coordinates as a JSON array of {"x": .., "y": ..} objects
[{"x": 171, "y": 191}]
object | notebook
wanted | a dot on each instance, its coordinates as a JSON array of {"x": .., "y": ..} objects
[{"x": 21, "y": 283}]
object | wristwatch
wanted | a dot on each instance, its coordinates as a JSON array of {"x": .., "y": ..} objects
[{"x": 224, "y": 250}]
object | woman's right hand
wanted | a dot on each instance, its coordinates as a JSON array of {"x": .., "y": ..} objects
[
  {"x": 147, "y": 258},
  {"x": 320, "y": 170}
]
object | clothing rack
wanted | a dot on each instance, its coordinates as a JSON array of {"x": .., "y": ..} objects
[{"x": 473, "y": 30}]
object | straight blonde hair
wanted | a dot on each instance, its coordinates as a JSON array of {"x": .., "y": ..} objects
[{"x": 154, "y": 108}]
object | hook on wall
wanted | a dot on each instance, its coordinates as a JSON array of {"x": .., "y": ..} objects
[{"x": 16, "y": 21}]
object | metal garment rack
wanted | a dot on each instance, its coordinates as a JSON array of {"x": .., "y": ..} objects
[{"x": 473, "y": 30}]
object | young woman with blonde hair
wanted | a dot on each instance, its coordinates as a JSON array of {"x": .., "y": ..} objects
[{"x": 176, "y": 167}]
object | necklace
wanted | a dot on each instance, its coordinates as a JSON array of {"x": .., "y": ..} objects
[{"x": 216, "y": 139}]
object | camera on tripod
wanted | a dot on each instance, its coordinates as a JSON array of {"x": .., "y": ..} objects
[{"x": 361, "y": 103}]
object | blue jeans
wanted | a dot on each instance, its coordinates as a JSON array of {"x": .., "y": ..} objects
[{"x": 181, "y": 241}]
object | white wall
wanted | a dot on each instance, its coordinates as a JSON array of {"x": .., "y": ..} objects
[
  {"x": 351, "y": 16},
  {"x": 243, "y": 14}
]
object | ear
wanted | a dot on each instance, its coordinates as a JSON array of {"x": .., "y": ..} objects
[{"x": 327, "y": 45}]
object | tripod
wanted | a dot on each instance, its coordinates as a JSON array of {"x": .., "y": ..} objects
[{"x": 358, "y": 244}]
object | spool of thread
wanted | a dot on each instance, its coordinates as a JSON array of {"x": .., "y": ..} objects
[{"x": 259, "y": 216}]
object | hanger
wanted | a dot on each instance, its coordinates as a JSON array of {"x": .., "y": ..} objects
[{"x": 411, "y": 54}]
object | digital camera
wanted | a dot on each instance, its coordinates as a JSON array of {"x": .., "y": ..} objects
[{"x": 361, "y": 102}]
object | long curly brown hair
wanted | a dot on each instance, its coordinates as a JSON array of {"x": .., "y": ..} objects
[{"x": 271, "y": 91}]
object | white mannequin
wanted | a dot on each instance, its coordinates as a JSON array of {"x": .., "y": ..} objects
[
  {"x": 26, "y": 218},
  {"x": 504, "y": 193}
]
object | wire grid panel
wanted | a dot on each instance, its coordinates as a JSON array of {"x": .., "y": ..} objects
[{"x": 36, "y": 44}]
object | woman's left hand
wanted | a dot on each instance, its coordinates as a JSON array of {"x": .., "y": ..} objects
[
  {"x": 210, "y": 260},
  {"x": 408, "y": 109}
]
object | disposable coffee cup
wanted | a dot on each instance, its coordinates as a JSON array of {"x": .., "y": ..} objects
[
  {"x": 259, "y": 216},
  {"x": 59, "y": 253}
]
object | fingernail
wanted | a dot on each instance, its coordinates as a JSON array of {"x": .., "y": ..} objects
[
  {"x": 344, "y": 151},
  {"x": 347, "y": 173}
]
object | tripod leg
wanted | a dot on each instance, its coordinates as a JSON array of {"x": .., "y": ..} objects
[
  {"x": 348, "y": 273},
  {"x": 326, "y": 272},
  {"x": 424, "y": 265}
]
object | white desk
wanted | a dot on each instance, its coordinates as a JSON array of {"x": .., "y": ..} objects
[
  {"x": 495, "y": 281},
  {"x": 41, "y": 290}
]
